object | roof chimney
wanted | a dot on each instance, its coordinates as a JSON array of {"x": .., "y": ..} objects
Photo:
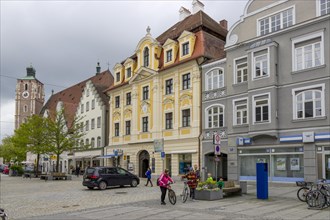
[
  {"x": 31, "y": 71},
  {"x": 224, "y": 24},
  {"x": 184, "y": 13},
  {"x": 197, "y": 6},
  {"x": 98, "y": 68}
]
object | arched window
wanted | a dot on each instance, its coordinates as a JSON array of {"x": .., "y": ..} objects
[
  {"x": 93, "y": 142},
  {"x": 146, "y": 57},
  {"x": 99, "y": 141},
  {"x": 87, "y": 141},
  {"x": 82, "y": 143},
  {"x": 309, "y": 104},
  {"x": 25, "y": 108},
  {"x": 215, "y": 116},
  {"x": 214, "y": 79}
]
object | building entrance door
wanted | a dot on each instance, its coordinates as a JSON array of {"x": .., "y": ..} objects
[
  {"x": 144, "y": 159},
  {"x": 327, "y": 165}
]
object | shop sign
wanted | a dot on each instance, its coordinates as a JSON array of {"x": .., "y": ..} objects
[
  {"x": 159, "y": 145},
  {"x": 308, "y": 137}
]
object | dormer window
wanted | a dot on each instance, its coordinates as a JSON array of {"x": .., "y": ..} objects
[
  {"x": 168, "y": 55},
  {"x": 117, "y": 76},
  {"x": 128, "y": 72},
  {"x": 185, "y": 49},
  {"x": 146, "y": 57},
  {"x": 276, "y": 22}
]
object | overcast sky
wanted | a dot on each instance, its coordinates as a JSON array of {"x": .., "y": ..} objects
[{"x": 64, "y": 40}]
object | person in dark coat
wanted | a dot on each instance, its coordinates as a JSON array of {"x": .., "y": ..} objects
[
  {"x": 148, "y": 175},
  {"x": 78, "y": 171}
]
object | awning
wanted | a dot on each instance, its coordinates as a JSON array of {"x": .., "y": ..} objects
[
  {"x": 84, "y": 157},
  {"x": 109, "y": 156}
]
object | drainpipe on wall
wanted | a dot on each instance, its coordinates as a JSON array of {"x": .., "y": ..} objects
[{"x": 200, "y": 114}]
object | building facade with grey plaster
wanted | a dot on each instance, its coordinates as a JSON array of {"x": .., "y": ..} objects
[{"x": 277, "y": 91}]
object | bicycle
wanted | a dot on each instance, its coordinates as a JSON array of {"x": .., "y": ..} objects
[
  {"x": 185, "y": 192},
  {"x": 171, "y": 194},
  {"x": 3, "y": 215},
  {"x": 305, "y": 188},
  {"x": 319, "y": 198}
]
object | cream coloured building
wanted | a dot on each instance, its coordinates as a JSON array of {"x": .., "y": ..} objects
[{"x": 156, "y": 96}]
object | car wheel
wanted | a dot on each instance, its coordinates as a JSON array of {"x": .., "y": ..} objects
[
  {"x": 102, "y": 185},
  {"x": 89, "y": 187},
  {"x": 134, "y": 183}
]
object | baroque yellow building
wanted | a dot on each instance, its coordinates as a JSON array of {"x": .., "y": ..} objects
[{"x": 156, "y": 96}]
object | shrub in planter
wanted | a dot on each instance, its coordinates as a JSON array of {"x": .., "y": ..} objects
[
  {"x": 17, "y": 170},
  {"x": 208, "y": 190},
  {"x": 209, "y": 185}
]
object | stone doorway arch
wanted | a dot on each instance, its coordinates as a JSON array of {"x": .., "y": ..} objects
[{"x": 144, "y": 160}]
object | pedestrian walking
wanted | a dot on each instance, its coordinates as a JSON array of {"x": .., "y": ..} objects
[
  {"x": 163, "y": 181},
  {"x": 192, "y": 182},
  {"x": 78, "y": 170},
  {"x": 148, "y": 175}
]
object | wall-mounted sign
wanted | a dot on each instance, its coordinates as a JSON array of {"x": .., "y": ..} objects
[
  {"x": 217, "y": 149},
  {"x": 216, "y": 139},
  {"x": 159, "y": 145},
  {"x": 308, "y": 137}
]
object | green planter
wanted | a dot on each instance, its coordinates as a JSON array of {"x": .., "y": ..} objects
[{"x": 208, "y": 195}]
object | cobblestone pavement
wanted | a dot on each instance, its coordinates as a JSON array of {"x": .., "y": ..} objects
[{"x": 39, "y": 199}]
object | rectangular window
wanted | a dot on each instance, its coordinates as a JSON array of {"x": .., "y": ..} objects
[
  {"x": 128, "y": 98},
  {"x": 93, "y": 104},
  {"x": 98, "y": 122},
  {"x": 145, "y": 92},
  {"x": 260, "y": 64},
  {"x": 87, "y": 125},
  {"x": 169, "y": 120},
  {"x": 82, "y": 108},
  {"x": 87, "y": 106},
  {"x": 185, "y": 48},
  {"x": 240, "y": 112},
  {"x": 276, "y": 22},
  {"x": 308, "y": 53},
  {"x": 117, "y": 102},
  {"x": 116, "y": 129},
  {"x": 145, "y": 124},
  {"x": 186, "y": 81},
  {"x": 186, "y": 118},
  {"x": 128, "y": 72},
  {"x": 241, "y": 70},
  {"x": 185, "y": 161},
  {"x": 261, "y": 109},
  {"x": 128, "y": 127},
  {"x": 324, "y": 7},
  {"x": 168, "y": 55},
  {"x": 169, "y": 86},
  {"x": 92, "y": 123},
  {"x": 82, "y": 126},
  {"x": 117, "y": 76}
]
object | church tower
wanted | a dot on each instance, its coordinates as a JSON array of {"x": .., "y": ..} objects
[{"x": 30, "y": 97}]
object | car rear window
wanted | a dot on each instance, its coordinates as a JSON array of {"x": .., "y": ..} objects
[{"x": 90, "y": 170}]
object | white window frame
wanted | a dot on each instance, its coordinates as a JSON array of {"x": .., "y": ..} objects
[
  {"x": 98, "y": 123},
  {"x": 92, "y": 142},
  {"x": 183, "y": 43},
  {"x": 87, "y": 106},
  {"x": 253, "y": 66},
  {"x": 235, "y": 110},
  {"x": 142, "y": 125},
  {"x": 93, "y": 104},
  {"x": 82, "y": 108},
  {"x": 254, "y": 108},
  {"x": 190, "y": 116},
  {"x": 235, "y": 68},
  {"x": 98, "y": 142},
  {"x": 306, "y": 88},
  {"x": 303, "y": 38},
  {"x": 281, "y": 20},
  {"x": 210, "y": 74},
  {"x": 87, "y": 125},
  {"x": 318, "y": 7},
  {"x": 207, "y": 115},
  {"x": 167, "y": 61},
  {"x": 92, "y": 123}
]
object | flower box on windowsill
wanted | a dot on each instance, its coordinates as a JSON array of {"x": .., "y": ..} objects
[{"x": 208, "y": 195}]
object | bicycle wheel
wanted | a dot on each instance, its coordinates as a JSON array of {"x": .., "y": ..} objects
[
  {"x": 184, "y": 195},
  {"x": 301, "y": 194},
  {"x": 171, "y": 196},
  {"x": 315, "y": 199}
]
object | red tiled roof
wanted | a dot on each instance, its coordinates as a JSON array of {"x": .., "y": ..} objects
[{"x": 70, "y": 97}]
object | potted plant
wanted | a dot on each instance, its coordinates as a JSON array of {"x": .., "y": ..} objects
[{"x": 208, "y": 190}]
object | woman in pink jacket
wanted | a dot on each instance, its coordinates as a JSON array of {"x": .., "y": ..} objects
[{"x": 163, "y": 184}]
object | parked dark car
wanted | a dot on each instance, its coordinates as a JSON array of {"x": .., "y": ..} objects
[{"x": 103, "y": 177}]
